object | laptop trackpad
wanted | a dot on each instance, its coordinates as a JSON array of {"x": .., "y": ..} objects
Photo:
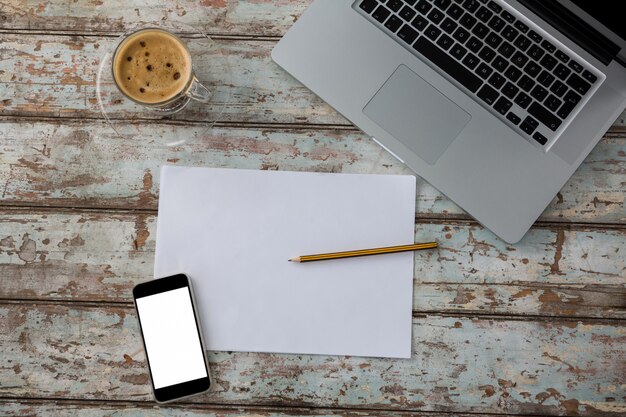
[{"x": 416, "y": 114}]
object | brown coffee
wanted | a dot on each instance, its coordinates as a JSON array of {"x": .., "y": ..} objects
[{"x": 152, "y": 66}]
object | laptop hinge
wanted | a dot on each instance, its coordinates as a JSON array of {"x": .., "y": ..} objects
[{"x": 574, "y": 28}]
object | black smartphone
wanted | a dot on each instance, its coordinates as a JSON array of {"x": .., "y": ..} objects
[{"x": 172, "y": 338}]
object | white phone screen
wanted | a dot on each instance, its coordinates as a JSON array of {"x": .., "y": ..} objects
[{"x": 171, "y": 337}]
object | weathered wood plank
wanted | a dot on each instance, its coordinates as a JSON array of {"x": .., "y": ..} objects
[
  {"x": 100, "y": 257},
  {"x": 121, "y": 409},
  {"x": 458, "y": 365},
  {"x": 56, "y": 76},
  {"x": 83, "y": 164},
  {"x": 232, "y": 17}
]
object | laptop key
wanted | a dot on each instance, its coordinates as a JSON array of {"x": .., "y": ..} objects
[
  {"x": 535, "y": 52},
  {"x": 509, "y": 90},
  {"x": 531, "y": 122},
  {"x": 368, "y": 5},
  {"x": 448, "y": 25},
  {"x": 521, "y": 26},
  {"x": 523, "y": 100},
  {"x": 480, "y": 30},
  {"x": 512, "y": 73},
  {"x": 570, "y": 101},
  {"x": 471, "y": 5},
  {"x": 483, "y": 71},
  {"x": 420, "y": 23},
  {"x": 562, "y": 56},
  {"x": 381, "y": 13},
  {"x": 548, "y": 62},
  {"x": 502, "y": 106},
  {"x": 442, "y": 4},
  {"x": 500, "y": 64},
  {"x": 527, "y": 128},
  {"x": 578, "y": 84},
  {"x": 545, "y": 116},
  {"x": 526, "y": 83},
  {"x": 445, "y": 42},
  {"x": 496, "y": 80},
  {"x": 535, "y": 36},
  {"x": 513, "y": 118},
  {"x": 519, "y": 59},
  {"x": 474, "y": 44},
  {"x": 545, "y": 78},
  {"x": 589, "y": 77},
  {"x": 506, "y": 49},
  {"x": 395, "y": 5},
  {"x": 539, "y": 93},
  {"x": 455, "y": 12},
  {"x": 540, "y": 138},
  {"x": 494, "y": 6},
  {"x": 471, "y": 60},
  {"x": 493, "y": 40},
  {"x": 508, "y": 16},
  {"x": 552, "y": 103},
  {"x": 575, "y": 66},
  {"x": 496, "y": 23},
  {"x": 522, "y": 42},
  {"x": 488, "y": 94},
  {"x": 509, "y": 33},
  {"x": 432, "y": 32},
  {"x": 458, "y": 51},
  {"x": 435, "y": 16},
  {"x": 448, "y": 64},
  {"x": 467, "y": 21},
  {"x": 532, "y": 69},
  {"x": 558, "y": 88},
  {"x": 461, "y": 35},
  {"x": 562, "y": 71},
  {"x": 423, "y": 6},
  {"x": 408, "y": 34},
  {"x": 487, "y": 54},
  {"x": 393, "y": 23},
  {"x": 483, "y": 14},
  {"x": 548, "y": 46},
  {"x": 407, "y": 13}
]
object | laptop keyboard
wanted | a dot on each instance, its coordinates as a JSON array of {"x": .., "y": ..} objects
[{"x": 513, "y": 68}]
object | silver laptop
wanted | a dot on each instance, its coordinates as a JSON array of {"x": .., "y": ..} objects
[{"x": 495, "y": 103}]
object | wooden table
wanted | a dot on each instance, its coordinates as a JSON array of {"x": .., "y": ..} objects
[{"x": 537, "y": 328}]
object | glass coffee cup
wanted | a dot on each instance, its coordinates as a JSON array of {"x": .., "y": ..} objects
[{"x": 153, "y": 68}]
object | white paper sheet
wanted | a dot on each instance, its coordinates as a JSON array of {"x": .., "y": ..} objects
[{"x": 233, "y": 231}]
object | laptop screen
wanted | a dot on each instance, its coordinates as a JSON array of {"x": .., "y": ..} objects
[{"x": 604, "y": 14}]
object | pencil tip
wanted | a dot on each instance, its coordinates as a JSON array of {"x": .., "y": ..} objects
[{"x": 289, "y": 260}]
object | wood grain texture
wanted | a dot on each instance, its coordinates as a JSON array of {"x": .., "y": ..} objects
[
  {"x": 83, "y": 164},
  {"x": 124, "y": 409},
  {"x": 551, "y": 272},
  {"x": 48, "y": 75},
  {"x": 231, "y": 17},
  {"x": 56, "y": 76},
  {"x": 458, "y": 363}
]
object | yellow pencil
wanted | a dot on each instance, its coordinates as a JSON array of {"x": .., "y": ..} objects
[{"x": 364, "y": 252}]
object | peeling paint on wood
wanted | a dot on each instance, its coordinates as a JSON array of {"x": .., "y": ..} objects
[
  {"x": 96, "y": 257},
  {"x": 481, "y": 365},
  {"x": 95, "y": 409},
  {"x": 84, "y": 164},
  {"x": 232, "y": 17},
  {"x": 59, "y": 79}
]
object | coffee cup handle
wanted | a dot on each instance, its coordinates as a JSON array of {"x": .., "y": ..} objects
[{"x": 199, "y": 92}]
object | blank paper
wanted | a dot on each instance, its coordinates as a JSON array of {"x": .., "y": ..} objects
[{"x": 233, "y": 231}]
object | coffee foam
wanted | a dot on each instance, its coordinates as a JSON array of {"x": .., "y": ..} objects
[{"x": 152, "y": 66}]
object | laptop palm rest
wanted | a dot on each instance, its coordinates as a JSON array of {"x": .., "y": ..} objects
[{"x": 415, "y": 113}]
